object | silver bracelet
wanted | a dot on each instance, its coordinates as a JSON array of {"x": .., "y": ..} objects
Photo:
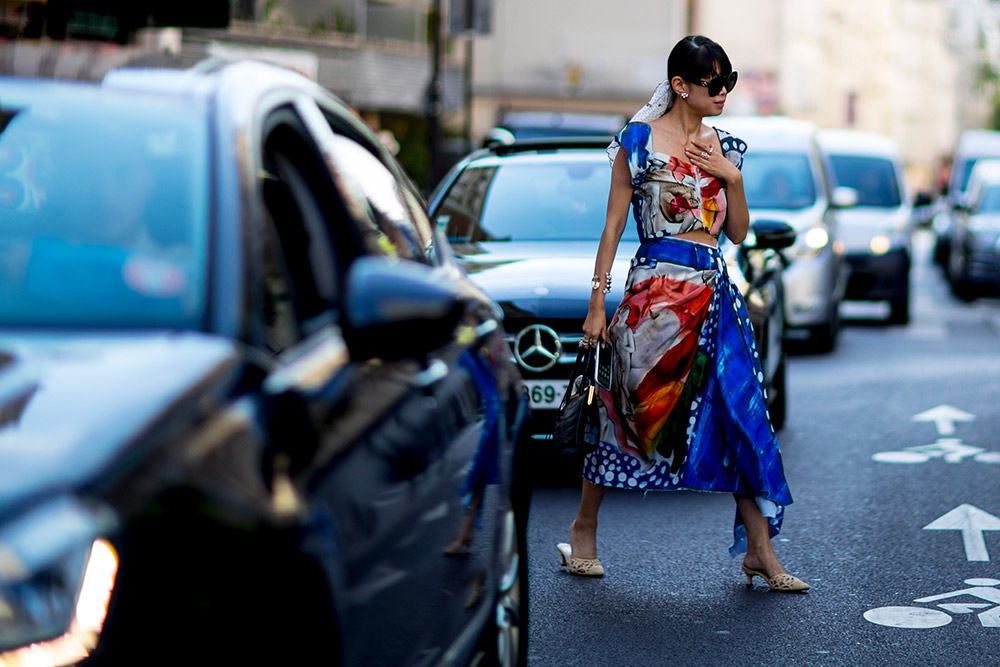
[{"x": 595, "y": 282}]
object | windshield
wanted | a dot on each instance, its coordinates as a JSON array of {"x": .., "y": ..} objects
[
  {"x": 989, "y": 201},
  {"x": 873, "y": 178},
  {"x": 549, "y": 200},
  {"x": 778, "y": 180},
  {"x": 102, "y": 216}
]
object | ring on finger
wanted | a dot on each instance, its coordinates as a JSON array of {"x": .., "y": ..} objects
[{"x": 704, "y": 154}]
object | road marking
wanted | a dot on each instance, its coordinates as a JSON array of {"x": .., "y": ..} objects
[
  {"x": 972, "y": 521},
  {"x": 944, "y": 418},
  {"x": 907, "y": 617},
  {"x": 917, "y": 618},
  {"x": 949, "y": 450}
]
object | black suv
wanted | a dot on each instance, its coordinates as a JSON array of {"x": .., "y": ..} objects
[{"x": 525, "y": 220}]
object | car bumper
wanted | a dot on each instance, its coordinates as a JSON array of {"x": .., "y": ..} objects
[
  {"x": 878, "y": 277},
  {"x": 813, "y": 290}
]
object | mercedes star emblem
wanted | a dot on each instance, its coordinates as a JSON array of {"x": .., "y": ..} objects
[{"x": 537, "y": 348}]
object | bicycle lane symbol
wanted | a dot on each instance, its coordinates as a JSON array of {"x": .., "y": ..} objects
[
  {"x": 915, "y": 618},
  {"x": 950, "y": 450}
]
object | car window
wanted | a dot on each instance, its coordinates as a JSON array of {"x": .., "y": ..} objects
[
  {"x": 300, "y": 269},
  {"x": 522, "y": 201},
  {"x": 874, "y": 179},
  {"x": 103, "y": 234},
  {"x": 380, "y": 203},
  {"x": 989, "y": 201},
  {"x": 778, "y": 180},
  {"x": 963, "y": 170}
]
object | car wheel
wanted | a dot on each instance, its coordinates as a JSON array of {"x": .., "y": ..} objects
[
  {"x": 779, "y": 406},
  {"x": 504, "y": 641},
  {"x": 824, "y": 337},
  {"x": 899, "y": 309}
]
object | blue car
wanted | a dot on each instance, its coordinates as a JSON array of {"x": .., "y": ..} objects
[{"x": 251, "y": 409}]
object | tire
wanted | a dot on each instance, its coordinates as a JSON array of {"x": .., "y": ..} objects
[
  {"x": 504, "y": 640},
  {"x": 824, "y": 337},
  {"x": 779, "y": 407},
  {"x": 899, "y": 309}
]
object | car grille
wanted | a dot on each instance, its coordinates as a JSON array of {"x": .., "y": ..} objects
[{"x": 552, "y": 360}]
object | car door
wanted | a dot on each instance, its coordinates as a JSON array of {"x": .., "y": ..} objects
[{"x": 384, "y": 488}]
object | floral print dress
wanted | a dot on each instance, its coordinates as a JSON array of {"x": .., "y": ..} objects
[{"x": 687, "y": 407}]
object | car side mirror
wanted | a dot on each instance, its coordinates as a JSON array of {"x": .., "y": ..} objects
[
  {"x": 769, "y": 235},
  {"x": 397, "y": 309},
  {"x": 844, "y": 197},
  {"x": 498, "y": 136}
]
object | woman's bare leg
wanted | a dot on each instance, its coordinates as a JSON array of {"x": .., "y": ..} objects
[
  {"x": 760, "y": 555},
  {"x": 583, "y": 531}
]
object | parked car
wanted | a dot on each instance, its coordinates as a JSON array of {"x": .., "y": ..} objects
[
  {"x": 973, "y": 263},
  {"x": 525, "y": 220},
  {"x": 787, "y": 178},
  {"x": 250, "y": 406},
  {"x": 973, "y": 146},
  {"x": 876, "y": 232}
]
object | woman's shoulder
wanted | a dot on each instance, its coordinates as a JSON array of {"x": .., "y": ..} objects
[
  {"x": 730, "y": 142},
  {"x": 636, "y": 139},
  {"x": 732, "y": 147},
  {"x": 636, "y": 132}
]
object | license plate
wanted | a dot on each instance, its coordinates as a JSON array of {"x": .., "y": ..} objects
[{"x": 545, "y": 394}]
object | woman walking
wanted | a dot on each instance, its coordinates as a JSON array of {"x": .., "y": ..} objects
[{"x": 687, "y": 408}]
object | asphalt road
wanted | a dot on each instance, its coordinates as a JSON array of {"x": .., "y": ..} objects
[{"x": 857, "y": 532}]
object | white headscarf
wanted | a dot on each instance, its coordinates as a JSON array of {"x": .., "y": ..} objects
[{"x": 658, "y": 104}]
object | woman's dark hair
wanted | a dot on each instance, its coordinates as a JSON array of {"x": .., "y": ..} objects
[{"x": 697, "y": 57}]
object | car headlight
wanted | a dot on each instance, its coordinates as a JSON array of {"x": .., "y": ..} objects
[
  {"x": 879, "y": 245},
  {"x": 811, "y": 243},
  {"x": 56, "y": 578}
]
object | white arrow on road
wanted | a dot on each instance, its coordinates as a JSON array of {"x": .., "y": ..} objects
[
  {"x": 972, "y": 521},
  {"x": 944, "y": 418}
]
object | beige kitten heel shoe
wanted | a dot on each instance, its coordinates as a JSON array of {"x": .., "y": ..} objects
[
  {"x": 781, "y": 583},
  {"x": 581, "y": 567}
]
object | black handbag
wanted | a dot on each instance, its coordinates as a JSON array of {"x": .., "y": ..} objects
[{"x": 577, "y": 425}]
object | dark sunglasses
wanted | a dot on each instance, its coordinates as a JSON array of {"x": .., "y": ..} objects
[{"x": 718, "y": 82}]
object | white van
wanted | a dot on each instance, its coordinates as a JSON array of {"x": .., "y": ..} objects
[{"x": 877, "y": 231}]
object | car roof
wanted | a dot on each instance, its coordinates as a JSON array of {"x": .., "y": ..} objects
[
  {"x": 768, "y": 132},
  {"x": 857, "y": 142},
  {"x": 979, "y": 142},
  {"x": 985, "y": 171},
  {"x": 16, "y": 91}
]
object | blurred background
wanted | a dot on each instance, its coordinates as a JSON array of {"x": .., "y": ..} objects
[{"x": 434, "y": 76}]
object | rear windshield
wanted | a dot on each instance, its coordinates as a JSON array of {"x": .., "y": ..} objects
[
  {"x": 102, "y": 215},
  {"x": 520, "y": 201},
  {"x": 778, "y": 180},
  {"x": 874, "y": 179}
]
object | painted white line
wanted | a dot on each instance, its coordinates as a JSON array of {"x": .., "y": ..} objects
[
  {"x": 944, "y": 418},
  {"x": 972, "y": 521}
]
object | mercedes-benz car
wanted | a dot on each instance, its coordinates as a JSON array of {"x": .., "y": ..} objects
[
  {"x": 252, "y": 412},
  {"x": 525, "y": 220}
]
